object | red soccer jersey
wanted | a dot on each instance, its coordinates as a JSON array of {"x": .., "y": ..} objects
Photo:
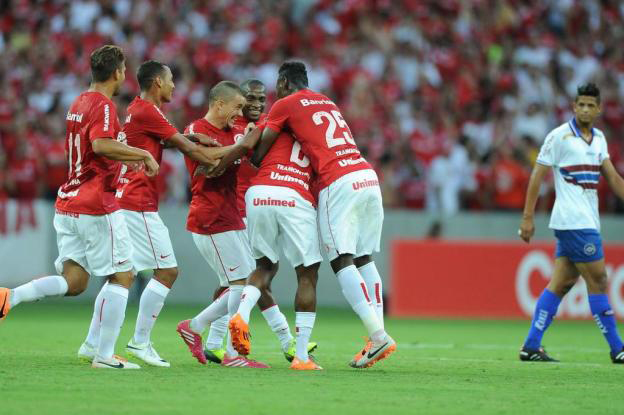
[
  {"x": 286, "y": 165},
  {"x": 315, "y": 121},
  {"x": 247, "y": 170},
  {"x": 92, "y": 179},
  {"x": 146, "y": 127},
  {"x": 213, "y": 201}
]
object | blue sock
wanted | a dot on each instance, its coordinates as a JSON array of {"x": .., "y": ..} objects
[
  {"x": 601, "y": 310},
  {"x": 545, "y": 311}
]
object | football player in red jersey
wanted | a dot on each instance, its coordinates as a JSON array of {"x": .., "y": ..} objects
[
  {"x": 350, "y": 209},
  {"x": 282, "y": 216},
  {"x": 91, "y": 232},
  {"x": 253, "y": 115},
  {"x": 146, "y": 127},
  {"x": 214, "y": 220}
]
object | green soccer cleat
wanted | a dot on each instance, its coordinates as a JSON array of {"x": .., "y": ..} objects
[
  {"x": 215, "y": 355},
  {"x": 292, "y": 349}
]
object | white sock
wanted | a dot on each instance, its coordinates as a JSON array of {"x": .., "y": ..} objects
[
  {"x": 217, "y": 332},
  {"x": 304, "y": 322},
  {"x": 217, "y": 309},
  {"x": 152, "y": 301},
  {"x": 114, "y": 300},
  {"x": 371, "y": 277},
  {"x": 233, "y": 303},
  {"x": 93, "y": 337},
  {"x": 354, "y": 290},
  {"x": 249, "y": 298},
  {"x": 278, "y": 323},
  {"x": 51, "y": 286}
]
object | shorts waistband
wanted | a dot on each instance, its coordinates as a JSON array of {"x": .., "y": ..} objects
[{"x": 70, "y": 214}]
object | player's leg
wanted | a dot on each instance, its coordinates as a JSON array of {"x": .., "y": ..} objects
[
  {"x": 152, "y": 250},
  {"x": 563, "y": 279},
  {"x": 213, "y": 348},
  {"x": 89, "y": 346},
  {"x": 259, "y": 280},
  {"x": 367, "y": 268},
  {"x": 339, "y": 215},
  {"x": 190, "y": 330},
  {"x": 71, "y": 263},
  {"x": 305, "y": 315},
  {"x": 595, "y": 276},
  {"x": 109, "y": 253}
]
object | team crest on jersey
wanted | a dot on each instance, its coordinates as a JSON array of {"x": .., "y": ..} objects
[{"x": 589, "y": 249}]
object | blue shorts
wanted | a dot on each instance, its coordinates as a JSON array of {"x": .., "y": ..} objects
[{"x": 579, "y": 245}]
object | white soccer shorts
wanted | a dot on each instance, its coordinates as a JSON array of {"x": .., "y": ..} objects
[
  {"x": 98, "y": 243},
  {"x": 227, "y": 253},
  {"x": 292, "y": 227},
  {"x": 350, "y": 215},
  {"x": 150, "y": 240}
]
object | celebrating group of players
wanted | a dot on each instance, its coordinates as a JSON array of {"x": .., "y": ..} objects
[{"x": 312, "y": 188}]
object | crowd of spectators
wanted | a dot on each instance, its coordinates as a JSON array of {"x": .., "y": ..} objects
[{"x": 449, "y": 99}]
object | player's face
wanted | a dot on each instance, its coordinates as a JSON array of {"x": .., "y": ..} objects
[
  {"x": 586, "y": 109},
  {"x": 232, "y": 108},
  {"x": 120, "y": 77},
  {"x": 255, "y": 101},
  {"x": 167, "y": 86}
]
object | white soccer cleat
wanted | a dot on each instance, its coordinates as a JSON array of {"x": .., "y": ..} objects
[
  {"x": 86, "y": 352},
  {"x": 146, "y": 353},
  {"x": 373, "y": 353},
  {"x": 113, "y": 363}
]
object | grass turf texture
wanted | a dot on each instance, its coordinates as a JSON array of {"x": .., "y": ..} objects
[{"x": 441, "y": 367}]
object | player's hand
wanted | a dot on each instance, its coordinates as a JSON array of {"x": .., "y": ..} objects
[
  {"x": 151, "y": 166},
  {"x": 205, "y": 140},
  {"x": 135, "y": 165},
  {"x": 209, "y": 172},
  {"x": 527, "y": 229},
  {"x": 250, "y": 127}
]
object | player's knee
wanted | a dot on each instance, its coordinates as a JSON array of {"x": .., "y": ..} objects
[
  {"x": 342, "y": 261},
  {"x": 362, "y": 260},
  {"x": 598, "y": 283},
  {"x": 166, "y": 276},
  {"x": 122, "y": 278},
  {"x": 76, "y": 284}
]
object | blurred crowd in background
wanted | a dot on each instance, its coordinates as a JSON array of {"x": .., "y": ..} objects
[{"x": 450, "y": 100}]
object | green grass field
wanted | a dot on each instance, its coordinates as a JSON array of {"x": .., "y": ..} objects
[{"x": 441, "y": 367}]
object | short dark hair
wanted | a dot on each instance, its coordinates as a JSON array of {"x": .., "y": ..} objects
[
  {"x": 105, "y": 61},
  {"x": 251, "y": 83},
  {"x": 295, "y": 72},
  {"x": 589, "y": 89},
  {"x": 224, "y": 90},
  {"x": 147, "y": 72}
]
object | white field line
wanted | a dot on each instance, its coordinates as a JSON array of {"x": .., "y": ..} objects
[
  {"x": 447, "y": 346},
  {"x": 471, "y": 360}
]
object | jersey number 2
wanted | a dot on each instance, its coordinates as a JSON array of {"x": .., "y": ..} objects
[{"x": 334, "y": 118}]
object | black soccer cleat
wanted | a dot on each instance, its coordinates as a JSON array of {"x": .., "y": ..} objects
[
  {"x": 618, "y": 358},
  {"x": 538, "y": 355}
]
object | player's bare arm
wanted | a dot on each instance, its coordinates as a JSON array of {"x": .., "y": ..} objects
[
  {"x": 203, "y": 139},
  {"x": 527, "y": 227},
  {"x": 236, "y": 151},
  {"x": 615, "y": 181},
  {"x": 199, "y": 153},
  {"x": 116, "y": 150},
  {"x": 266, "y": 141}
]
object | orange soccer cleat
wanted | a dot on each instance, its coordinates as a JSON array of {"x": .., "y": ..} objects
[
  {"x": 5, "y": 293},
  {"x": 310, "y": 364},
  {"x": 239, "y": 332},
  {"x": 365, "y": 350},
  {"x": 376, "y": 352}
]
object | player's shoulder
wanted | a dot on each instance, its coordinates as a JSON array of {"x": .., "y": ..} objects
[
  {"x": 599, "y": 134},
  {"x": 560, "y": 132}
]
